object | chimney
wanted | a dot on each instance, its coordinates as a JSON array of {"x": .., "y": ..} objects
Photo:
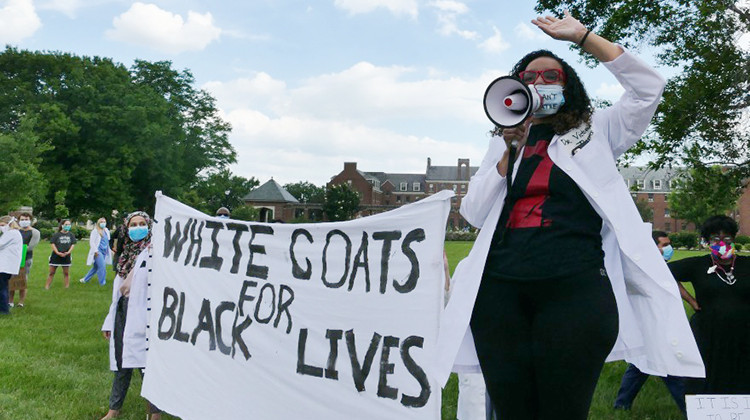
[
  {"x": 350, "y": 166},
  {"x": 463, "y": 171},
  {"x": 429, "y": 164}
]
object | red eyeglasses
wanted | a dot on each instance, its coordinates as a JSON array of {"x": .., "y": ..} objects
[{"x": 548, "y": 75}]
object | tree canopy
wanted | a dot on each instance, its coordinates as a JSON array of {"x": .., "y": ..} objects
[
  {"x": 704, "y": 114},
  {"x": 115, "y": 135},
  {"x": 704, "y": 191},
  {"x": 306, "y": 192},
  {"x": 219, "y": 189},
  {"x": 341, "y": 203},
  {"x": 19, "y": 165}
]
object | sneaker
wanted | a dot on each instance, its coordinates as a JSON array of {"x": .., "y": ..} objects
[
  {"x": 20, "y": 305},
  {"x": 83, "y": 280},
  {"x": 10, "y": 304}
]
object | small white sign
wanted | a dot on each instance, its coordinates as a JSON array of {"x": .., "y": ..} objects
[{"x": 718, "y": 407}]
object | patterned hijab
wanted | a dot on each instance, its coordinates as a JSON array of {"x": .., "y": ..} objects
[{"x": 130, "y": 249}]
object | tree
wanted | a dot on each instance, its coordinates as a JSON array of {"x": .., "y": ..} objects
[
  {"x": 196, "y": 138},
  {"x": 219, "y": 189},
  {"x": 704, "y": 114},
  {"x": 61, "y": 211},
  {"x": 646, "y": 212},
  {"x": 117, "y": 135},
  {"x": 306, "y": 192},
  {"x": 704, "y": 191},
  {"x": 341, "y": 203},
  {"x": 19, "y": 165},
  {"x": 246, "y": 213}
]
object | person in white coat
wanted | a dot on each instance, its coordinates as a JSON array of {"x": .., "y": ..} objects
[
  {"x": 564, "y": 274},
  {"x": 99, "y": 253},
  {"x": 11, "y": 248},
  {"x": 126, "y": 323}
]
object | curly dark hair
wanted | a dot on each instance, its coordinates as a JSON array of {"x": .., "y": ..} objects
[
  {"x": 577, "y": 108},
  {"x": 715, "y": 224}
]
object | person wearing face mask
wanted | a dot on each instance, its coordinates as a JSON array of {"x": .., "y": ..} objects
[
  {"x": 31, "y": 238},
  {"x": 633, "y": 379},
  {"x": 99, "y": 253},
  {"x": 63, "y": 242},
  {"x": 721, "y": 322},
  {"x": 223, "y": 212},
  {"x": 11, "y": 254},
  {"x": 126, "y": 321},
  {"x": 561, "y": 277}
]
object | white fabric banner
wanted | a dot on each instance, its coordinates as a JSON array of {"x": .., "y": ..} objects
[{"x": 296, "y": 321}]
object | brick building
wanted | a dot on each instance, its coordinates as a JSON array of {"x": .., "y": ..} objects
[
  {"x": 654, "y": 187},
  {"x": 382, "y": 191}
]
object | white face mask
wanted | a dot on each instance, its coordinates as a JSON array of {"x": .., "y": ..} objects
[
  {"x": 24, "y": 223},
  {"x": 552, "y": 99}
]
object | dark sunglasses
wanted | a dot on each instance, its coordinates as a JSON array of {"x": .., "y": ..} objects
[{"x": 548, "y": 75}]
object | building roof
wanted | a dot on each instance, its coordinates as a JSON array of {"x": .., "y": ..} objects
[
  {"x": 270, "y": 192},
  {"x": 397, "y": 179},
  {"x": 447, "y": 173},
  {"x": 633, "y": 174}
]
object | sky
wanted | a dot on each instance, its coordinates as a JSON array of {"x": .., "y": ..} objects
[{"x": 309, "y": 85}]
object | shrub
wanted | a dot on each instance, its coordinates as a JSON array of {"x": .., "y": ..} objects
[
  {"x": 460, "y": 235},
  {"x": 46, "y": 232},
  {"x": 684, "y": 239},
  {"x": 742, "y": 239},
  {"x": 45, "y": 224},
  {"x": 80, "y": 232}
]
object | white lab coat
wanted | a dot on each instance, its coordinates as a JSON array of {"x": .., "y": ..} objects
[
  {"x": 654, "y": 332},
  {"x": 134, "y": 338},
  {"x": 11, "y": 251},
  {"x": 94, "y": 240}
]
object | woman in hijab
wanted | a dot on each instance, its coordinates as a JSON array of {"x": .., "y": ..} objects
[{"x": 125, "y": 325}]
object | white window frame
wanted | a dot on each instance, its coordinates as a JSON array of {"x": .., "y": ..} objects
[
  {"x": 403, "y": 186},
  {"x": 641, "y": 184},
  {"x": 416, "y": 186},
  {"x": 657, "y": 184}
]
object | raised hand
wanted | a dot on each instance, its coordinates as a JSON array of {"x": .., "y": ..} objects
[{"x": 566, "y": 29}]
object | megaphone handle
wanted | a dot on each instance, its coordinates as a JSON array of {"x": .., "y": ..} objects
[{"x": 511, "y": 161}]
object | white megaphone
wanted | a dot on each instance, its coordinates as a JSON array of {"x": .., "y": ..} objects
[{"x": 508, "y": 101}]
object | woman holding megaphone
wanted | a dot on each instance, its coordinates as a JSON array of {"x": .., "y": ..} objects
[{"x": 564, "y": 274}]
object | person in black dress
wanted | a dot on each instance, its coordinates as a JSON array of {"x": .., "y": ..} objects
[
  {"x": 63, "y": 242},
  {"x": 721, "y": 323}
]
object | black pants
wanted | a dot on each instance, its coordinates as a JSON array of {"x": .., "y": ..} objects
[
  {"x": 121, "y": 380},
  {"x": 542, "y": 343},
  {"x": 4, "y": 307}
]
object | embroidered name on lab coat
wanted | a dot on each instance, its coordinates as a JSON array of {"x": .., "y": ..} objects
[{"x": 575, "y": 139}]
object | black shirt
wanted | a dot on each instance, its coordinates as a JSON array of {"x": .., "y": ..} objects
[
  {"x": 63, "y": 241},
  {"x": 547, "y": 227},
  {"x": 26, "y": 236}
]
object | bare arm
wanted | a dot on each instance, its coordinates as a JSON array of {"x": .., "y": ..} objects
[{"x": 687, "y": 297}]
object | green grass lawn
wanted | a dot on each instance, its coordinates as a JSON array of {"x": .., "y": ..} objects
[{"x": 54, "y": 362}]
